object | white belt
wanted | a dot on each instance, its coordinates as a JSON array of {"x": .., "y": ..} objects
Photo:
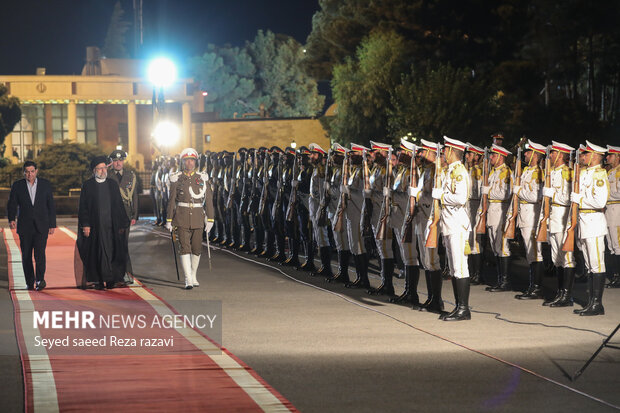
[{"x": 189, "y": 205}]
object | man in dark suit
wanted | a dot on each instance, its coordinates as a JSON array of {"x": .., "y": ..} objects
[{"x": 32, "y": 203}]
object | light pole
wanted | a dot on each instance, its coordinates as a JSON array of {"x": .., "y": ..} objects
[{"x": 162, "y": 73}]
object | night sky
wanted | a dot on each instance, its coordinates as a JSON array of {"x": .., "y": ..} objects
[{"x": 55, "y": 33}]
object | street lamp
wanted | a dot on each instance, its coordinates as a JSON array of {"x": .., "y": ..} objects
[
  {"x": 162, "y": 73},
  {"x": 294, "y": 144}
]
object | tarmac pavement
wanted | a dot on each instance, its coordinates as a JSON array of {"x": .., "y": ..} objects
[{"x": 330, "y": 349}]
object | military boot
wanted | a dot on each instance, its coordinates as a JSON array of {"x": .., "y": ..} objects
[
  {"x": 326, "y": 263},
  {"x": 474, "y": 263},
  {"x": 410, "y": 294},
  {"x": 361, "y": 272},
  {"x": 504, "y": 279},
  {"x": 559, "y": 272},
  {"x": 566, "y": 298},
  {"x": 309, "y": 264},
  {"x": 461, "y": 312},
  {"x": 534, "y": 291},
  {"x": 435, "y": 305},
  {"x": 387, "y": 272},
  {"x": 343, "y": 268},
  {"x": 293, "y": 249},
  {"x": 595, "y": 306}
]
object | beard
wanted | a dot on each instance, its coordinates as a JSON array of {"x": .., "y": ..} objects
[{"x": 101, "y": 175}]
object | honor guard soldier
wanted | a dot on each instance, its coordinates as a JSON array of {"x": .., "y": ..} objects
[
  {"x": 191, "y": 213},
  {"x": 429, "y": 258},
  {"x": 612, "y": 212},
  {"x": 289, "y": 185},
  {"x": 455, "y": 224},
  {"x": 498, "y": 192},
  {"x": 529, "y": 194},
  {"x": 591, "y": 200},
  {"x": 354, "y": 190},
  {"x": 154, "y": 190},
  {"x": 276, "y": 198},
  {"x": 317, "y": 191},
  {"x": 127, "y": 183},
  {"x": 473, "y": 156},
  {"x": 305, "y": 169},
  {"x": 558, "y": 195},
  {"x": 336, "y": 209}
]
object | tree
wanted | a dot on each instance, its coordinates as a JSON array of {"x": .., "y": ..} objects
[
  {"x": 66, "y": 164},
  {"x": 443, "y": 101},
  {"x": 114, "y": 44},
  {"x": 362, "y": 87},
  {"x": 227, "y": 75},
  {"x": 10, "y": 112}
]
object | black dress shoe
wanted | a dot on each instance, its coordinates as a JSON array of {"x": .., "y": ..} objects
[
  {"x": 41, "y": 285},
  {"x": 99, "y": 286},
  {"x": 30, "y": 287}
]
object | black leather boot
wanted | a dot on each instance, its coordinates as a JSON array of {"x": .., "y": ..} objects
[
  {"x": 361, "y": 272},
  {"x": 410, "y": 293},
  {"x": 280, "y": 256},
  {"x": 614, "y": 281},
  {"x": 504, "y": 280},
  {"x": 559, "y": 272},
  {"x": 474, "y": 266},
  {"x": 387, "y": 272},
  {"x": 566, "y": 298},
  {"x": 343, "y": 268},
  {"x": 429, "y": 291},
  {"x": 293, "y": 260},
  {"x": 534, "y": 292},
  {"x": 461, "y": 312},
  {"x": 595, "y": 306},
  {"x": 499, "y": 275},
  {"x": 269, "y": 250},
  {"x": 589, "y": 280},
  {"x": 309, "y": 264},
  {"x": 326, "y": 263},
  {"x": 436, "y": 303}
]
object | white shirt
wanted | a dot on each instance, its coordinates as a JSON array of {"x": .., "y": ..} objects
[{"x": 32, "y": 189}]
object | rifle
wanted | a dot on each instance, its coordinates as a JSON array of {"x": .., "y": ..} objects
[
  {"x": 342, "y": 205},
  {"x": 292, "y": 199},
  {"x": 245, "y": 197},
  {"x": 511, "y": 224},
  {"x": 325, "y": 198},
  {"x": 366, "y": 225},
  {"x": 386, "y": 205},
  {"x": 431, "y": 240},
  {"x": 233, "y": 183},
  {"x": 413, "y": 182},
  {"x": 482, "y": 223},
  {"x": 265, "y": 190},
  {"x": 543, "y": 228},
  {"x": 569, "y": 242},
  {"x": 276, "y": 209},
  {"x": 254, "y": 196}
]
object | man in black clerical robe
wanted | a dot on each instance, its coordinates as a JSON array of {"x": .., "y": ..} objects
[{"x": 102, "y": 221}]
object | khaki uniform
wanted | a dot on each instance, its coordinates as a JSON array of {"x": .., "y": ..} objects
[
  {"x": 475, "y": 184},
  {"x": 355, "y": 185},
  {"x": 400, "y": 204},
  {"x": 562, "y": 183},
  {"x": 190, "y": 206},
  {"x": 377, "y": 183},
  {"x": 127, "y": 184},
  {"x": 500, "y": 183},
  {"x": 429, "y": 257}
]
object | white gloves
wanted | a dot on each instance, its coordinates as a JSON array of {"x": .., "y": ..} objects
[
  {"x": 516, "y": 189},
  {"x": 208, "y": 226},
  {"x": 386, "y": 191},
  {"x": 367, "y": 193},
  {"x": 485, "y": 190},
  {"x": 548, "y": 192},
  {"x": 413, "y": 191},
  {"x": 437, "y": 193},
  {"x": 168, "y": 225},
  {"x": 576, "y": 197}
]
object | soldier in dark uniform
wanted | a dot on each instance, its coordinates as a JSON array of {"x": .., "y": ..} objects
[
  {"x": 154, "y": 192},
  {"x": 272, "y": 221},
  {"x": 256, "y": 182},
  {"x": 303, "y": 216},
  {"x": 341, "y": 238},
  {"x": 291, "y": 225},
  {"x": 317, "y": 194},
  {"x": 245, "y": 188},
  {"x": 190, "y": 211},
  {"x": 128, "y": 185}
]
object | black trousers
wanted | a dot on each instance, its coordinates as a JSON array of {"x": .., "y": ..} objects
[{"x": 29, "y": 243}]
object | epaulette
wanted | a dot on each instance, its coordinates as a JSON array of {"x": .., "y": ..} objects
[
  {"x": 567, "y": 173},
  {"x": 175, "y": 176}
]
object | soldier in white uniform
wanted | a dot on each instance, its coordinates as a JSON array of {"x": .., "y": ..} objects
[
  {"x": 529, "y": 194},
  {"x": 355, "y": 191},
  {"x": 499, "y": 191},
  {"x": 376, "y": 179},
  {"x": 612, "y": 212},
  {"x": 473, "y": 156},
  {"x": 429, "y": 258},
  {"x": 561, "y": 180},
  {"x": 592, "y": 198},
  {"x": 321, "y": 235},
  {"x": 455, "y": 224},
  {"x": 190, "y": 211},
  {"x": 340, "y": 237}
]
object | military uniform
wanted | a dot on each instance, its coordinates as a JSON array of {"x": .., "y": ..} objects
[
  {"x": 561, "y": 181},
  {"x": 190, "y": 209},
  {"x": 475, "y": 240},
  {"x": 455, "y": 227},
  {"x": 335, "y": 203},
  {"x": 592, "y": 198},
  {"x": 499, "y": 191},
  {"x": 317, "y": 191},
  {"x": 127, "y": 183},
  {"x": 612, "y": 214}
]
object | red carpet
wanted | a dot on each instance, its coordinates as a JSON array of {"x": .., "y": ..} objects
[{"x": 195, "y": 375}]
